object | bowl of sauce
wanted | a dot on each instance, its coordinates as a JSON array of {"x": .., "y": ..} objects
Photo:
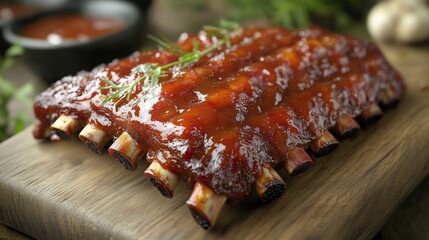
[
  {"x": 16, "y": 10},
  {"x": 77, "y": 36},
  {"x": 59, "y": 29},
  {"x": 13, "y": 10}
]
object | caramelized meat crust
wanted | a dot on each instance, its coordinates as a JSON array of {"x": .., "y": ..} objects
[{"x": 224, "y": 119}]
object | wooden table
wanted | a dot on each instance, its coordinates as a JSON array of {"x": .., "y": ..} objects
[
  {"x": 411, "y": 219},
  {"x": 63, "y": 190}
]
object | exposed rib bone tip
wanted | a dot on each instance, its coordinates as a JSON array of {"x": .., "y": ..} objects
[
  {"x": 390, "y": 98},
  {"x": 269, "y": 184},
  {"x": 297, "y": 161},
  {"x": 205, "y": 205},
  {"x": 65, "y": 126},
  {"x": 346, "y": 127},
  {"x": 370, "y": 114},
  {"x": 125, "y": 149},
  {"x": 94, "y": 137},
  {"x": 164, "y": 180},
  {"x": 324, "y": 144}
]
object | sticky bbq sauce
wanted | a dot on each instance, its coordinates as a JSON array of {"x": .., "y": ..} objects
[
  {"x": 218, "y": 134},
  {"x": 72, "y": 27}
]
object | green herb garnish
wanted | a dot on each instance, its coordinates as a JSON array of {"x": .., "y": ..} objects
[
  {"x": 11, "y": 122},
  {"x": 153, "y": 72}
]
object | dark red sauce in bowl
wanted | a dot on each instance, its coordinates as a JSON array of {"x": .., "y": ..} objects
[
  {"x": 77, "y": 36},
  {"x": 71, "y": 27},
  {"x": 9, "y": 11},
  {"x": 14, "y": 10}
]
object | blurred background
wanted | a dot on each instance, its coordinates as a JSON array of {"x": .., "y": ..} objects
[{"x": 172, "y": 17}]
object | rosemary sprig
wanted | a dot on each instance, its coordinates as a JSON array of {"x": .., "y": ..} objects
[
  {"x": 153, "y": 72},
  {"x": 166, "y": 45}
]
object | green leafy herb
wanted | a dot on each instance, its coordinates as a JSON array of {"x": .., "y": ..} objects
[
  {"x": 343, "y": 16},
  {"x": 333, "y": 14},
  {"x": 153, "y": 72},
  {"x": 12, "y": 124},
  {"x": 167, "y": 45}
]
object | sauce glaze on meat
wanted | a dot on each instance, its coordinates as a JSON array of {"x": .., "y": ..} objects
[{"x": 237, "y": 110}]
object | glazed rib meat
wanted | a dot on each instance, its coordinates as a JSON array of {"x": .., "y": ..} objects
[
  {"x": 71, "y": 95},
  {"x": 226, "y": 122}
]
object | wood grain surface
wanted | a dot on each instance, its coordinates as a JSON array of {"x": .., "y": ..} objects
[
  {"x": 63, "y": 190},
  {"x": 411, "y": 219},
  {"x": 8, "y": 233}
]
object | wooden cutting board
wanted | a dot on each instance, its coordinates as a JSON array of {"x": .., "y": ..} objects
[{"x": 63, "y": 190}]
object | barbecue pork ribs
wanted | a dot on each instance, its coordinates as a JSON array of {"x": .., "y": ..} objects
[{"x": 223, "y": 123}]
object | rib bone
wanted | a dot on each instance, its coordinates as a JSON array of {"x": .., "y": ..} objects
[
  {"x": 269, "y": 184},
  {"x": 164, "y": 180},
  {"x": 125, "y": 149},
  {"x": 94, "y": 137},
  {"x": 390, "y": 98},
  {"x": 297, "y": 161},
  {"x": 65, "y": 126},
  {"x": 346, "y": 126},
  {"x": 324, "y": 144},
  {"x": 370, "y": 114},
  {"x": 205, "y": 205}
]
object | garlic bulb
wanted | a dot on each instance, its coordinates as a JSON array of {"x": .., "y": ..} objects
[{"x": 404, "y": 21}]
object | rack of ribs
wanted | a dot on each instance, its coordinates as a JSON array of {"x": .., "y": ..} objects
[{"x": 224, "y": 124}]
